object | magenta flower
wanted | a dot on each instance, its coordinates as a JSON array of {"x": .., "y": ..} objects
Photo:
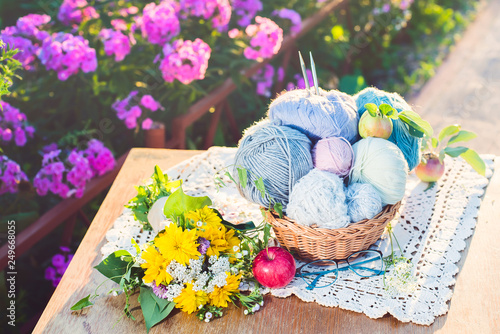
[
  {"x": 115, "y": 43},
  {"x": 159, "y": 23},
  {"x": 67, "y": 54},
  {"x": 266, "y": 38},
  {"x": 119, "y": 24},
  {"x": 13, "y": 124},
  {"x": 218, "y": 10},
  {"x": 160, "y": 291},
  {"x": 301, "y": 84},
  {"x": 100, "y": 158},
  {"x": 76, "y": 11},
  {"x": 10, "y": 175},
  {"x": 291, "y": 15},
  {"x": 147, "y": 123},
  {"x": 60, "y": 263},
  {"x": 129, "y": 109},
  {"x": 185, "y": 60},
  {"x": 27, "y": 37},
  {"x": 150, "y": 103},
  {"x": 264, "y": 79},
  {"x": 246, "y": 10}
]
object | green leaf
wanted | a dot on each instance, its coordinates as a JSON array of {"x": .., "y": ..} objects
[
  {"x": 113, "y": 267},
  {"x": 475, "y": 161},
  {"x": 242, "y": 176},
  {"x": 455, "y": 151},
  {"x": 82, "y": 303},
  {"x": 230, "y": 177},
  {"x": 416, "y": 122},
  {"x": 415, "y": 133},
  {"x": 434, "y": 142},
  {"x": 154, "y": 309},
  {"x": 430, "y": 186},
  {"x": 259, "y": 184},
  {"x": 179, "y": 203},
  {"x": 448, "y": 131},
  {"x": 372, "y": 109},
  {"x": 387, "y": 109},
  {"x": 159, "y": 174},
  {"x": 462, "y": 135},
  {"x": 278, "y": 207},
  {"x": 240, "y": 227}
]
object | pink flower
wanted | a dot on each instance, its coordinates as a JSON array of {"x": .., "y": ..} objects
[
  {"x": 159, "y": 23},
  {"x": 147, "y": 123},
  {"x": 13, "y": 124},
  {"x": 76, "y": 11},
  {"x": 218, "y": 10},
  {"x": 100, "y": 158},
  {"x": 185, "y": 61},
  {"x": 150, "y": 103},
  {"x": 119, "y": 24},
  {"x": 233, "y": 33},
  {"x": 266, "y": 38},
  {"x": 10, "y": 175},
  {"x": 115, "y": 42}
]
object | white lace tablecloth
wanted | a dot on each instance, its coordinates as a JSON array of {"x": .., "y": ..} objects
[{"x": 432, "y": 228}]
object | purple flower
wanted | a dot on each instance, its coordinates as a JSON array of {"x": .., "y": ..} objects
[
  {"x": 50, "y": 274},
  {"x": 100, "y": 158},
  {"x": 149, "y": 102},
  {"x": 301, "y": 84},
  {"x": 160, "y": 291},
  {"x": 291, "y": 15},
  {"x": 218, "y": 10},
  {"x": 264, "y": 79},
  {"x": 185, "y": 60},
  {"x": 76, "y": 11},
  {"x": 10, "y": 175},
  {"x": 159, "y": 23},
  {"x": 147, "y": 123},
  {"x": 115, "y": 43},
  {"x": 246, "y": 10},
  {"x": 204, "y": 244},
  {"x": 66, "y": 54},
  {"x": 13, "y": 123},
  {"x": 266, "y": 37},
  {"x": 58, "y": 260}
]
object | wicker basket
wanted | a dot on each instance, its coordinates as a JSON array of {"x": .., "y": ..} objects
[{"x": 312, "y": 243}]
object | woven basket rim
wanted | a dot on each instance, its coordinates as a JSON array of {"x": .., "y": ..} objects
[{"x": 353, "y": 229}]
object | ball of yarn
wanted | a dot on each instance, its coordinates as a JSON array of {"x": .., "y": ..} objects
[
  {"x": 363, "y": 201},
  {"x": 380, "y": 163},
  {"x": 318, "y": 116},
  {"x": 280, "y": 155},
  {"x": 409, "y": 145},
  {"x": 319, "y": 198},
  {"x": 333, "y": 155}
]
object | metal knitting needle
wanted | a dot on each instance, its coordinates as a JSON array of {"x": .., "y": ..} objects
[
  {"x": 315, "y": 76},
  {"x": 304, "y": 73}
]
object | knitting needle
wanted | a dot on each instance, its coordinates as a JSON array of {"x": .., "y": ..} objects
[
  {"x": 304, "y": 73},
  {"x": 315, "y": 77}
]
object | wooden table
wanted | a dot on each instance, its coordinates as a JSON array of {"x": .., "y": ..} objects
[{"x": 474, "y": 306}]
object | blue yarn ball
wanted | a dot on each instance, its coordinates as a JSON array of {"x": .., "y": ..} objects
[
  {"x": 319, "y": 199},
  {"x": 409, "y": 145},
  {"x": 329, "y": 114},
  {"x": 363, "y": 201},
  {"x": 280, "y": 155}
]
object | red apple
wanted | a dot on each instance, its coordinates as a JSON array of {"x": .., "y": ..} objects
[
  {"x": 378, "y": 126},
  {"x": 274, "y": 268},
  {"x": 430, "y": 170}
]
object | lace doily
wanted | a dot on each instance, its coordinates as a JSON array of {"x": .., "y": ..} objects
[{"x": 432, "y": 228}]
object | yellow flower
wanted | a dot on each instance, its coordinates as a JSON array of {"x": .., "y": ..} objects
[
  {"x": 156, "y": 267},
  {"x": 189, "y": 300},
  {"x": 220, "y": 296},
  {"x": 205, "y": 215},
  {"x": 176, "y": 244}
]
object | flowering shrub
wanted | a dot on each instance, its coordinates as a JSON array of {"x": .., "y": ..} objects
[
  {"x": 129, "y": 109},
  {"x": 76, "y": 11},
  {"x": 10, "y": 175},
  {"x": 266, "y": 37},
  {"x": 14, "y": 125},
  {"x": 59, "y": 264},
  {"x": 159, "y": 23}
]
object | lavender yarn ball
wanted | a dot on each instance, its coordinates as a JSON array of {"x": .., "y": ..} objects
[
  {"x": 318, "y": 116},
  {"x": 333, "y": 155},
  {"x": 380, "y": 163},
  {"x": 280, "y": 155},
  {"x": 319, "y": 198},
  {"x": 409, "y": 145},
  {"x": 363, "y": 201}
]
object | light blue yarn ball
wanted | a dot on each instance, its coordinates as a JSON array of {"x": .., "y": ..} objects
[
  {"x": 280, "y": 155},
  {"x": 380, "y": 163},
  {"x": 363, "y": 201},
  {"x": 329, "y": 114},
  {"x": 409, "y": 145},
  {"x": 319, "y": 199}
]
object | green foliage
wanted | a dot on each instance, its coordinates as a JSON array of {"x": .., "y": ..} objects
[
  {"x": 81, "y": 304},
  {"x": 153, "y": 308},
  {"x": 147, "y": 195},
  {"x": 179, "y": 203},
  {"x": 8, "y": 67}
]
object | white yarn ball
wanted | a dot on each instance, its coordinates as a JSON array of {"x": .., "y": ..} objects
[
  {"x": 382, "y": 164},
  {"x": 363, "y": 201},
  {"x": 156, "y": 217},
  {"x": 319, "y": 198}
]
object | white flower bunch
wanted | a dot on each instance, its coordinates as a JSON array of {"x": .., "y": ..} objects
[{"x": 400, "y": 279}]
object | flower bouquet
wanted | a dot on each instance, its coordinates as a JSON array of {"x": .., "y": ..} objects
[{"x": 196, "y": 263}]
